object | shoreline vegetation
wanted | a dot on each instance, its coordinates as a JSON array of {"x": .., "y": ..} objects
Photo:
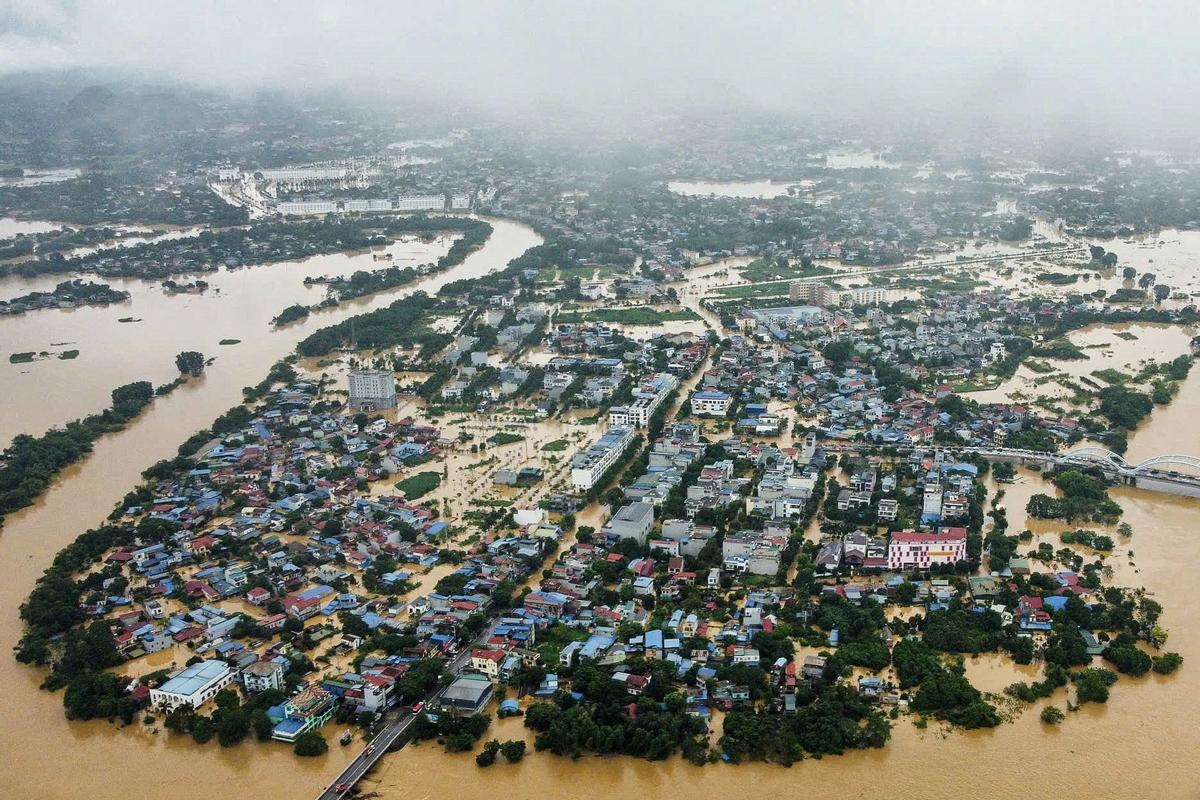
[
  {"x": 263, "y": 242},
  {"x": 473, "y": 235},
  {"x": 67, "y": 294},
  {"x": 598, "y": 716},
  {"x": 29, "y": 465}
]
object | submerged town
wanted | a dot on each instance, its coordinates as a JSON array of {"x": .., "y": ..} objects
[{"x": 723, "y": 468}]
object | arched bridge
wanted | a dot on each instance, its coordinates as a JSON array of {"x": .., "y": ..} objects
[{"x": 1103, "y": 458}]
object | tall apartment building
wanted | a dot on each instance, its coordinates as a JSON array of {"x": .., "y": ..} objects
[
  {"x": 372, "y": 390},
  {"x": 807, "y": 291},
  {"x": 648, "y": 396},
  {"x": 588, "y": 465}
]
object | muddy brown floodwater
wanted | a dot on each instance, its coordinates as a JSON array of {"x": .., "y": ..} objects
[
  {"x": 1140, "y": 744},
  {"x": 44, "y": 755}
]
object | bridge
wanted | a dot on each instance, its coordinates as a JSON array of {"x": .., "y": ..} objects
[
  {"x": 398, "y": 723},
  {"x": 1159, "y": 473}
]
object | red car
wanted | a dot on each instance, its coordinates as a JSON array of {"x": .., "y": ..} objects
[{"x": 418, "y": 707}]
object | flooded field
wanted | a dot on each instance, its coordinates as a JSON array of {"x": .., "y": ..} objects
[{"x": 1145, "y": 731}]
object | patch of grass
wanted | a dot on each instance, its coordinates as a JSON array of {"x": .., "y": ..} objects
[
  {"x": 67, "y": 355},
  {"x": 974, "y": 386},
  {"x": 420, "y": 484},
  {"x": 557, "y": 446},
  {"x": 1040, "y": 367},
  {"x": 229, "y": 341},
  {"x": 638, "y": 315},
  {"x": 1110, "y": 375},
  {"x": 21, "y": 358},
  {"x": 505, "y": 438},
  {"x": 775, "y": 289}
]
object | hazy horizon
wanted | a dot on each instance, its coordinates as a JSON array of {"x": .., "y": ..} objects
[{"x": 1112, "y": 66}]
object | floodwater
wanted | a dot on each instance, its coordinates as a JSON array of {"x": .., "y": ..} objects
[
  {"x": 1142, "y": 742},
  {"x": 1125, "y": 347},
  {"x": 238, "y": 305},
  {"x": 44, "y": 755},
  {"x": 38, "y": 178},
  {"x": 11, "y": 227}
]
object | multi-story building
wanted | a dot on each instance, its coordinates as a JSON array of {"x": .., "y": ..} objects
[
  {"x": 647, "y": 397},
  {"x": 420, "y": 202},
  {"x": 262, "y": 676},
  {"x": 587, "y": 466},
  {"x": 807, "y": 291},
  {"x": 913, "y": 550},
  {"x": 632, "y": 521},
  {"x": 710, "y": 403},
  {"x": 372, "y": 389}
]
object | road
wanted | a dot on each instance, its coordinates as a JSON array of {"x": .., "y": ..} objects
[{"x": 399, "y": 721}]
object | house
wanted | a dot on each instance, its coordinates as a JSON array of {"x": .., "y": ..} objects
[
  {"x": 488, "y": 662},
  {"x": 711, "y": 403},
  {"x": 262, "y": 676}
]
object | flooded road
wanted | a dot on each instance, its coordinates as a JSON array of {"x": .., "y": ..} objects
[{"x": 1141, "y": 742}]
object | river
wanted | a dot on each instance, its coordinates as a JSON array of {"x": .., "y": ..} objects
[
  {"x": 238, "y": 305},
  {"x": 44, "y": 755},
  {"x": 1141, "y": 741}
]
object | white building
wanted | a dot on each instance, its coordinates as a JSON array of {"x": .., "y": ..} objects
[
  {"x": 931, "y": 506},
  {"x": 193, "y": 686},
  {"x": 420, "y": 202},
  {"x": 912, "y": 550},
  {"x": 865, "y": 296},
  {"x": 711, "y": 404},
  {"x": 649, "y": 395},
  {"x": 632, "y": 521},
  {"x": 303, "y": 208},
  {"x": 372, "y": 389},
  {"x": 587, "y": 466},
  {"x": 262, "y": 676}
]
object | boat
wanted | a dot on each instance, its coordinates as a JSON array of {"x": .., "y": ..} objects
[{"x": 346, "y": 737}]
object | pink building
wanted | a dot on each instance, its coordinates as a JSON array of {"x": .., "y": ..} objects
[{"x": 912, "y": 550}]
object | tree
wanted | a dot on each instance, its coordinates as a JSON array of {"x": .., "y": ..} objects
[
  {"x": 1052, "y": 715},
  {"x": 310, "y": 743},
  {"x": 1167, "y": 663},
  {"x": 513, "y": 750},
  {"x": 190, "y": 362},
  {"x": 487, "y": 756}
]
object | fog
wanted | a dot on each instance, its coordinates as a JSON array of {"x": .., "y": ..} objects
[{"x": 1123, "y": 65}]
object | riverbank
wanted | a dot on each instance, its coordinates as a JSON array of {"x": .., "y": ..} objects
[{"x": 238, "y": 305}]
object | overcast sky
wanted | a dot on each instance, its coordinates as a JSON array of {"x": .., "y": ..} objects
[{"x": 1126, "y": 61}]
